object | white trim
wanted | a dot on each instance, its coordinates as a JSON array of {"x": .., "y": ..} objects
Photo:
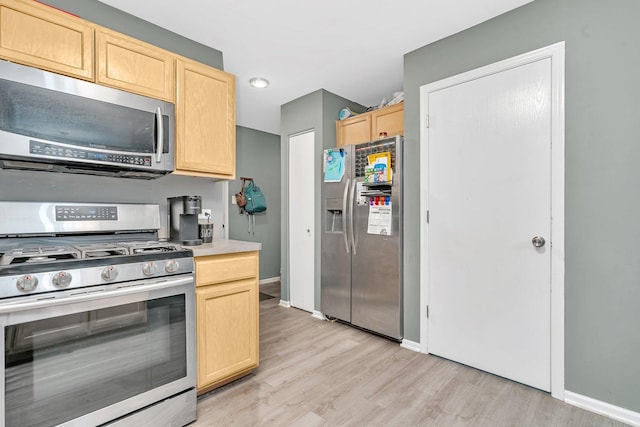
[
  {"x": 285, "y": 304},
  {"x": 291, "y": 135},
  {"x": 602, "y": 408},
  {"x": 410, "y": 345},
  {"x": 269, "y": 280},
  {"x": 317, "y": 315},
  {"x": 556, "y": 53},
  {"x": 557, "y": 220}
]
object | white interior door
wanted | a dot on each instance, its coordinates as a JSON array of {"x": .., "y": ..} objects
[
  {"x": 301, "y": 220},
  {"x": 489, "y": 199}
]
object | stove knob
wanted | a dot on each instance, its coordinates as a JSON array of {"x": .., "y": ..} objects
[
  {"x": 62, "y": 279},
  {"x": 109, "y": 273},
  {"x": 172, "y": 266},
  {"x": 149, "y": 269},
  {"x": 27, "y": 283}
]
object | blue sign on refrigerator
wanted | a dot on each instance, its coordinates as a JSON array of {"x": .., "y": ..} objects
[{"x": 333, "y": 165}]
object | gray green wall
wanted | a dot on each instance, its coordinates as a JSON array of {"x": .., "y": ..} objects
[
  {"x": 316, "y": 111},
  {"x": 61, "y": 187},
  {"x": 258, "y": 157},
  {"x": 602, "y": 203},
  {"x": 115, "y": 19}
]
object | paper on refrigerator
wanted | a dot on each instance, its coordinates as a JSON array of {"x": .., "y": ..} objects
[{"x": 380, "y": 220}]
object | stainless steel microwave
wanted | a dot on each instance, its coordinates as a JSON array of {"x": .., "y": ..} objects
[{"x": 51, "y": 122}]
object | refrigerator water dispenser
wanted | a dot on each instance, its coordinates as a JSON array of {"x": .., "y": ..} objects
[{"x": 334, "y": 219}]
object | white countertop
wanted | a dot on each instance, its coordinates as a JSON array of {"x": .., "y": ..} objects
[{"x": 221, "y": 247}]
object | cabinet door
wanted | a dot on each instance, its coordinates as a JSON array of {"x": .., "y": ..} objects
[
  {"x": 388, "y": 120},
  {"x": 135, "y": 66},
  {"x": 205, "y": 121},
  {"x": 353, "y": 130},
  {"x": 227, "y": 330},
  {"x": 46, "y": 38}
]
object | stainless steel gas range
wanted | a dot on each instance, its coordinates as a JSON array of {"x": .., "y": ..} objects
[{"x": 97, "y": 315}]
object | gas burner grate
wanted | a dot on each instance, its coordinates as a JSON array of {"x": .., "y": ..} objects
[
  {"x": 42, "y": 254},
  {"x": 150, "y": 247},
  {"x": 102, "y": 250},
  {"x": 36, "y": 254}
]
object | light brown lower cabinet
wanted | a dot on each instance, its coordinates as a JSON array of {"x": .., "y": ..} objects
[{"x": 226, "y": 318}]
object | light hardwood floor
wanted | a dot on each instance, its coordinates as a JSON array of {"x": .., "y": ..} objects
[{"x": 316, "y": 373}]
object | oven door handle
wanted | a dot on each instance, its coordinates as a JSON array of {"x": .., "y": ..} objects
[{"x": 94, "y": 293}]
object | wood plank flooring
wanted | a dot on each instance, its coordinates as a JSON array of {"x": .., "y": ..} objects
[{"x": 317, "y": 373}]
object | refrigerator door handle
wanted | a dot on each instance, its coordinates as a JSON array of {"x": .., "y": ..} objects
[
  {"x": 351, "y": 215},
  {"x": 344, "y": 213}
]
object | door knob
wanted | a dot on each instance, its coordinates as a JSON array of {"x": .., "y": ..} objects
[{"x": 538, "y": 241}]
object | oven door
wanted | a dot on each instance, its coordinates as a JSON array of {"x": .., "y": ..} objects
[{"x": 88, "y": 358}]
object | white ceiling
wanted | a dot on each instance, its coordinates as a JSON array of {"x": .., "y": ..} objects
[{"x": 353, "y": 48}]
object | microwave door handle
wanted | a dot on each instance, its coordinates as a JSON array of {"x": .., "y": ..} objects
[{"x": 160, "y": 135}]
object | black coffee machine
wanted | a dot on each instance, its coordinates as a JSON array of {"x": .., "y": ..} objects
[{"x": 183, "y": 219}]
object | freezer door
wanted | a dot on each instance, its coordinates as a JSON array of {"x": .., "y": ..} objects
[
  {"x": 335, "y": 276},
  {"x": 376, "y": 262}
]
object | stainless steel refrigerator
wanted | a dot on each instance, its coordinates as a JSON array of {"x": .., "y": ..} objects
[{"x": 361, "y": 275}]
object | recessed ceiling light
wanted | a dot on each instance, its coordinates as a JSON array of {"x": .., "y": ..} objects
[{"x": 259, "y": 82}]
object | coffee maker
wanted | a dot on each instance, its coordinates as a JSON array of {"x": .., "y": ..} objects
[{"x": 183, "y": 219}]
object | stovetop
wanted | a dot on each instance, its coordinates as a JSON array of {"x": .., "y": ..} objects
[
  {"x": 50, "y": 248},
  {"x": 36, "y": 270},
  {"x": 44, "y": 254}
]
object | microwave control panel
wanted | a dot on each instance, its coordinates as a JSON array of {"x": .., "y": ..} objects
[{"x": 43, "y": 148}]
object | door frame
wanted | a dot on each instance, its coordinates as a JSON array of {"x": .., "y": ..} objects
[
  {"x": 556, "y": 53},
  {"x": 313, "y": 225}
]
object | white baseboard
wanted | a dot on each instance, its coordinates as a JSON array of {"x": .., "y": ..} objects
[
  {"x": 317, "y": 315},
  {"x": 602, "y": 408},
  {"x": 285, "y": 304},
  {"x": 410, "y": 345},
  {"x": 269, "y": 280}
]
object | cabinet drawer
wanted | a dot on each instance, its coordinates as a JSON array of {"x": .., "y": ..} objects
[{"x": 225, "y": 268}]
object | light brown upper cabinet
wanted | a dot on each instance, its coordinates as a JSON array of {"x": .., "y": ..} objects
[
  {"x": 387, "y": 121},
  {"x": 354, "y": 130},
  {"x": 376, "y": 124},
  {"x": 46, "y": 38},
  {"x": 205, "y": 121},
  {"x": 133, "y": 65}
]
